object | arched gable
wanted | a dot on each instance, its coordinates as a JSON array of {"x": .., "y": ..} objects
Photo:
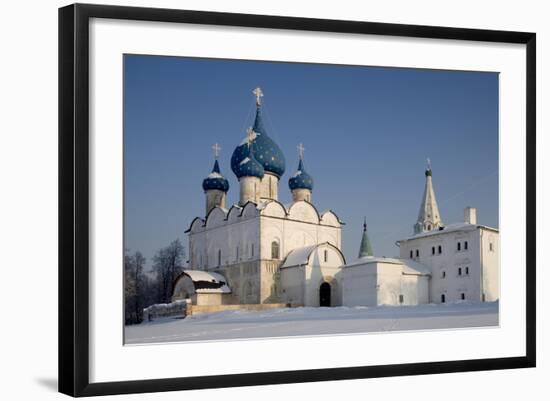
[
  {"x": 302, "y": 256},
  {"x": 250, "y": 210},
  {"x": 196, "y": 225},
  {"x": 234, "y": 214},
  {"x": 216, "y": 217},
  {"x": 318, "y": 251},
  {"x": 329, "y": 218},
  {"x": 273, "y": 208},
  {"x": 303, "y": 211}
]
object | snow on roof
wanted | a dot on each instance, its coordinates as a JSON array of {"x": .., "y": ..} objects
[
  {"x": 374, "y": 259},
  {"x": 415, "y": 268},
  {"x": 214, "y": 175},
  {"x": 262, "y": 205},
  {"x": 244, "y": 161},
  {"x": 409, "y": 266},
  {"x": 299, "y": 256},
  {"x": 451, "y": 228},
  {"x": 198, "y": 276}
]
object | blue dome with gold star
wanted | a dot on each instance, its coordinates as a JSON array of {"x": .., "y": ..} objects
[
  {"x": 266, "y": 151},
  {"x": 301, "y": 179},
  {"x": 215, "y": 180},
  {"x": 249, "y": 166}
]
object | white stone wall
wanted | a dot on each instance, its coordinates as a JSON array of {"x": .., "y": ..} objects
[
  {"x": 359, "y": 285},
  {"x": 389, "y": 283},
  {"x": 415, "y": 289},
  {"x": 379, "y": 283},
  {"x": 456, "y": 272},
  {"x": 293, "y": 285},
  {"x": 490, "y": 260},
  {"x": 238, "y": 241}
]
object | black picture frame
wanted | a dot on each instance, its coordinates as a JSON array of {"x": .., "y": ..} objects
[{"x": 74, "y": 198}]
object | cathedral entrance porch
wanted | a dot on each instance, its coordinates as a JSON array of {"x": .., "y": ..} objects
[{"x": 324, "y": 294}]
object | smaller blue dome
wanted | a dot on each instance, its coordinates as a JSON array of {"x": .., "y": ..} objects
[
  {"x": 249, "y": 166},
  {"x": 301, "y": 179},
  {"x": 215, "y": 180}
]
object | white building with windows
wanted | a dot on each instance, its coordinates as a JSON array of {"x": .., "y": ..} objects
[
  {"x": 260, "y": 251},
  {"x": 463, "y": 257},
  {"x": 439, "y": 263}
]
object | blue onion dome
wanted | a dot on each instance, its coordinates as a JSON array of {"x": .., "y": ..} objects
[
  {"x": 301, "y": 179},
  {"x": 249, "y": 166},
  {"x": 267, "y": 152},
  {"x": 215, "y": 180}
]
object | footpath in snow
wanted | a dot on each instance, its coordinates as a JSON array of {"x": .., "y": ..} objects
[{"x": 285, "y": 322}]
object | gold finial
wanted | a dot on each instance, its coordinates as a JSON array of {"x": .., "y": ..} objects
[
  {"x": 301, "y": 149},
  {"x": 216, "y": 150}
]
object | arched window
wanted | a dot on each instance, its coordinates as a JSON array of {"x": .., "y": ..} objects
[
  {"x": 458, "y": 246},
  {"x": 429, "y": 227},
  {"x": 219, "y": 257},
  {"x": 439, "y": 249},
  {"x": 465, "y": 245},
  {"x": 417, "y": 253},
  {"x": 274, "y": 250},
  {"x": 442, "y": 298},
  {"x": 411, "y": 253}
]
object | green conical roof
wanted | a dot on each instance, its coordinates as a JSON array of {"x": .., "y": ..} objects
[{"x": 366, "y": 248}]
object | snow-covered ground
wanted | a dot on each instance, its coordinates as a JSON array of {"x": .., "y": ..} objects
[{"x": 313, "y": 321}]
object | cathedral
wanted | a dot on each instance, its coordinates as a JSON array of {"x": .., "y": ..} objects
[{"x": 262, "y": 252}]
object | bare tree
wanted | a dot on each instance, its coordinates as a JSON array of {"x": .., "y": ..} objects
[
  {"x": 168, "y": 264},
  {"x": 135, "y": 286}
]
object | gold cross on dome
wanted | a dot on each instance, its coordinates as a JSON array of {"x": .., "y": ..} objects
[
  {"x": 301, "y": 149},
  {"x": 216, "y": 149},
  {"x": 259, "y": 94}
]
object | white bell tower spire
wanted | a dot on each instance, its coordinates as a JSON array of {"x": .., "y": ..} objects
[{"x": 428, "y": 217}]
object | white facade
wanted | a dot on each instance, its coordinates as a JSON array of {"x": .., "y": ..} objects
[
  {"x": 463, "y": 259},
  {"x": 311, "y": 276},
  {"x": 372, "y": 281},
  {"x": 248, "y": 244}
]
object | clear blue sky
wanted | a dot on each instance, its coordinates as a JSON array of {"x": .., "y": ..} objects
[{"x": 367, "y": 133}]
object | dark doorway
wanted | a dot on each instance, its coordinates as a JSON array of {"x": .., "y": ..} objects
[{"x": 324, "y": 295}]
